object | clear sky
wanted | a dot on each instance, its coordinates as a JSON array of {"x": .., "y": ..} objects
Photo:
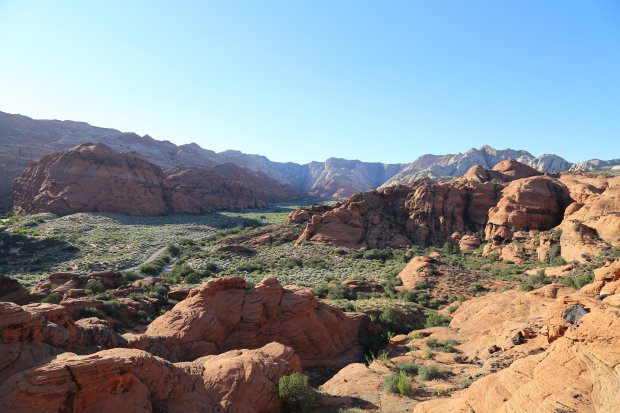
[{"x": 306, "y": 80}]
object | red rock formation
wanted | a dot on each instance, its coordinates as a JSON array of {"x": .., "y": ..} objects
[
  {"x": 428, "y": 212},
  {"x": 93, "y": 177},
  {"x": 227, "y": 186},
  {"x": 592, "y": 222},
  {"x": 505, "y": 171},
  {"x": 576, "y": 372},
  {"x": 35, "y": 333},
  {"x": 136, "y": 381},
  {"x": 223, "y": 314},
  {"x": 535, "y": 203}
]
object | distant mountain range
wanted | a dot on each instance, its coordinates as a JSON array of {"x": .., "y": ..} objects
[{"x": 23, "y": 140}]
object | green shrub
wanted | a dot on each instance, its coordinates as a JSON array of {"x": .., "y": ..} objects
[
  {"x": 407, "y": 367},
  {"x": 431, "y": 372},
  {"x": 340, "y": 292},
  {"x": 578, "y": 281},
  {"x": 476, "y": 287},
  {"x": 380, "y": 255},
  {"x": 53, "y": 298},
  {"x": 448, "y": 248},
  {"x": 251, "y": 267},
  {"x": 112, "y": 308},
  {"x": 151, "y": 268},
  {"x": 397, "y": 382},
  {"x": 94, "y": 287},
  {"x": 445, "y": 346},
  {"x": 295, "y": 392},
  {"x": 293, "y": 262},
  {"x": 321, "y": 290},
  {"x": 90, "y": 312},
  {"x": 174, "y": 250},
  {"x": 434, "y": 319},
  {"x": 316, "y": 263},
  {"x": 421, "y": 285},
  {"x": 388, "y": 316}
]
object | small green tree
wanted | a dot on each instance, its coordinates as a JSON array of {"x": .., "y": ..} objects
[{"x": 295, "y": 392}]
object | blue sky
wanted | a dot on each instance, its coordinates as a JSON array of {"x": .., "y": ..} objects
[{"x": 305, "y": 80}]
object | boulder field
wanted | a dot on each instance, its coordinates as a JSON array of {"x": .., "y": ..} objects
[{"x": 222, "y": 349}]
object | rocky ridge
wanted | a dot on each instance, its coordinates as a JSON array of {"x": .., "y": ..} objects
[
  {"x": 500, "y": 202},
  {"x": 25, "y": 140},
  {"x": 95, "y": 178}
]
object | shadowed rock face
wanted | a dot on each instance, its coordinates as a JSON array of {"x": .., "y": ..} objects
[
  {"x": 95, "y": 178},
  {"x": 222, "y": 315},
  {"x": 227, "y": 186}
]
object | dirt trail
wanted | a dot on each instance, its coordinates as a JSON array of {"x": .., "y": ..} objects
[{"x": 150, "y": 258}]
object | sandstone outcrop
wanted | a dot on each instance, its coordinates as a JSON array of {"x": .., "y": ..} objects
[
  {"x": 93, "y": 177},
  {"x": 425, "y": 213},
  {"x": 505, "y": 171},
  {"x": 574, "y": 369},
  {"x": 223, "y": 314},
  {"x": 232, "y": 345},
  {"x": 35, "y": 333},
  {"x": 136, "y": 381},
  {"x": 592, "y": 223},
  {"x": 535, "y": 203}
]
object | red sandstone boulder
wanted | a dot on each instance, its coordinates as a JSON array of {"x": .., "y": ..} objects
[
  {"x": 535, "y": 203},
  {"x": 223, "y": 314},
  {"x": 136, "y": 381}
]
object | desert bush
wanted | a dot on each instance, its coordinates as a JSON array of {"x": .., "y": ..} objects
[
  {"x": 434, "y": 319},
  {"x": 476, "y": 287},
  {"x": 112, "y": 308},
  {"x": 445, "y": 346},
  {"x": 295, "y": 392},
  {"x": 407, "y": 367},
  {"x": 380, "y": 255},
  {"x": 578, "y": 281},
  {"x": 151, "y": 268},
  {"x": 94, "y": 287},
  {"x": 53, "y": 298},
  {"x": 431, "y": 372},
  {"x": 397, "y": 382},
  {"x": 173, "y": 250},
  {"x": 90, "y": 312}
]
